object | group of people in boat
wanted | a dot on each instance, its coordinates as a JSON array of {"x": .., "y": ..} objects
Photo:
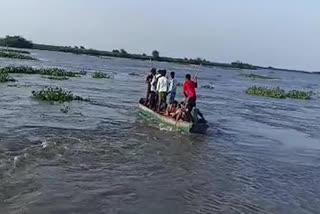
[{"x": 160, "y": 87}]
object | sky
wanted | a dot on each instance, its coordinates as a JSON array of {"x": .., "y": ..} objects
[{"x": 279, "y": 33}]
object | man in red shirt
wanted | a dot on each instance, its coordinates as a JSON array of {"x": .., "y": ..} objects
[{"x": 189, "y": 91}]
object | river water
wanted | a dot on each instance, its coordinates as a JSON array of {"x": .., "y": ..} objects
[{"x": 260, "y": 155}]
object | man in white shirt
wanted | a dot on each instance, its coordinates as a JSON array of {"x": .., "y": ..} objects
[
  {"x": 162, "y": 89},
  {"x": 152, "y": 80},
  {"x": 172, "y": 88}
]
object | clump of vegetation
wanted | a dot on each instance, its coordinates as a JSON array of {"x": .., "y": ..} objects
[
  {"x": 255, "y": 76},
  {"x": 41, "y": 71},
  {"x": 14, "y": 51},
  {"x": 267, "y": 92},
  {"x": 4, "y": 77},
  {"x": 101, "y": 75},
  {"x": 278, "y": 93},
  {"x": 13, "y": 55},
  {"x": 303, "y": 95},
  {"x": 55, "y": 94},
  {"x": 56, "y": 77}
]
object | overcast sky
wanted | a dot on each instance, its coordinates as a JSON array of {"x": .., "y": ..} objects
[{"x": 283, "y": 33}]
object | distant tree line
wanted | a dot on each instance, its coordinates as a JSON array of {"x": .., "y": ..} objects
[
  {"x": 15, "y": 42},
  {"x": 20, "y": 42}
]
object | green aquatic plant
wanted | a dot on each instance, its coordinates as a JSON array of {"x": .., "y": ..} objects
[
  {"x": 279, "y": 93},
  {"x": 101, "y": 75},
  {"x": 302, "y": 95},
  {"x": 4, "y": 77},
  {"x": 255, "y": 76},
  {"x": 13, "y": 55},
  {"x": 55, "y": 77},
  {"x": 41, "y": 71},
  {"x": 14, "y": 51},
  {"x": 267, "y": 92},
  {"x": 55, "y": 94}
]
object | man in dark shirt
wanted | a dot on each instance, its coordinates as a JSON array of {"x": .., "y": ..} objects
[{"x": 149, "y": 82}]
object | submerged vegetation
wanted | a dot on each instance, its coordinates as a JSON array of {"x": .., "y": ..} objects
[
  {"x": 14, "y": 55},
  {"x": 133, "y": 74},
  {"x": 42, "y": 71},
  {"x": 55, "y": 77},
  {"x": 101, "y": 75},
  {"x": 255, "y": 76},
  {"x": 4, "y": 77},
  {"x": 210, "y": 86},
  {"x": 278, "y": 93},
  {"x": 55, "y": 94}
]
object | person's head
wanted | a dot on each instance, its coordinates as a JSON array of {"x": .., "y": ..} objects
[
  {"x": 164, "y": 73},
  {"x": 188, "y": 77},
  {"x": 172, "y": 74},
  {"x": 153, "y": 71},
  {"x": 175, "y": 103}
]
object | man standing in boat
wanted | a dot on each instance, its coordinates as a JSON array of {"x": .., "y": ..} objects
[
  {"x": 162, "y": 88},
  {"x": 172, "y": 88},
  {"x": 149, "y": 81},
  {"x": 189, "y": 91}
]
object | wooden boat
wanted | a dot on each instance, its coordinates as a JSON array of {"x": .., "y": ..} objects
[{"x": 184, "y": 126}]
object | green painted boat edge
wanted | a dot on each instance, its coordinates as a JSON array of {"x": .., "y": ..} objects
[{"x": 180, "y": 125}]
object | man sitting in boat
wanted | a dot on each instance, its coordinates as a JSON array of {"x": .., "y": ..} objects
[
  {"x": 189, "y": 91},
  {"x": 172, "y": 109},
  {"x": 162, "y": 89},
  {"x": 180, "y": 113}
]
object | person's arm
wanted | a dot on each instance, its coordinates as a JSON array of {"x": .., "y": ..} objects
[
  {"x": 184, "y": 90},
  {"x": 195, "y": 82},
  {"x": 158, "y": 85},
  {"x": 170, "y": 86}
]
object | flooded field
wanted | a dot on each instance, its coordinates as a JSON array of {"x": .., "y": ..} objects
[{"x": 260, "y": 155}]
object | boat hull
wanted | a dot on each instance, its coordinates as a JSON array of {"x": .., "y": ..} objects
[{"x": 199, "y": 128}]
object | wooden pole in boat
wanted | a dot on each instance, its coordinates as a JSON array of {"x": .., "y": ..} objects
[{"x": 199, "y": 68}]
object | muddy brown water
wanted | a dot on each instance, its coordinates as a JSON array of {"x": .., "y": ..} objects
[{"x": 260, "y": 155}]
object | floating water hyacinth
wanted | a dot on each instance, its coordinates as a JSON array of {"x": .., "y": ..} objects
[
  {"x": 56, "y": 94},
  {"x": 14, "y": 51},
  {"x": 279, "y": 93},
  {"x": 41, "y": 71},
  {"x": 14, "y": 55},
  {"x": 4, "y": 77},
  {"x": 101, "y": 75}
]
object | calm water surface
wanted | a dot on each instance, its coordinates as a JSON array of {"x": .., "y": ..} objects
[{"x": 260, "y": 155}]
